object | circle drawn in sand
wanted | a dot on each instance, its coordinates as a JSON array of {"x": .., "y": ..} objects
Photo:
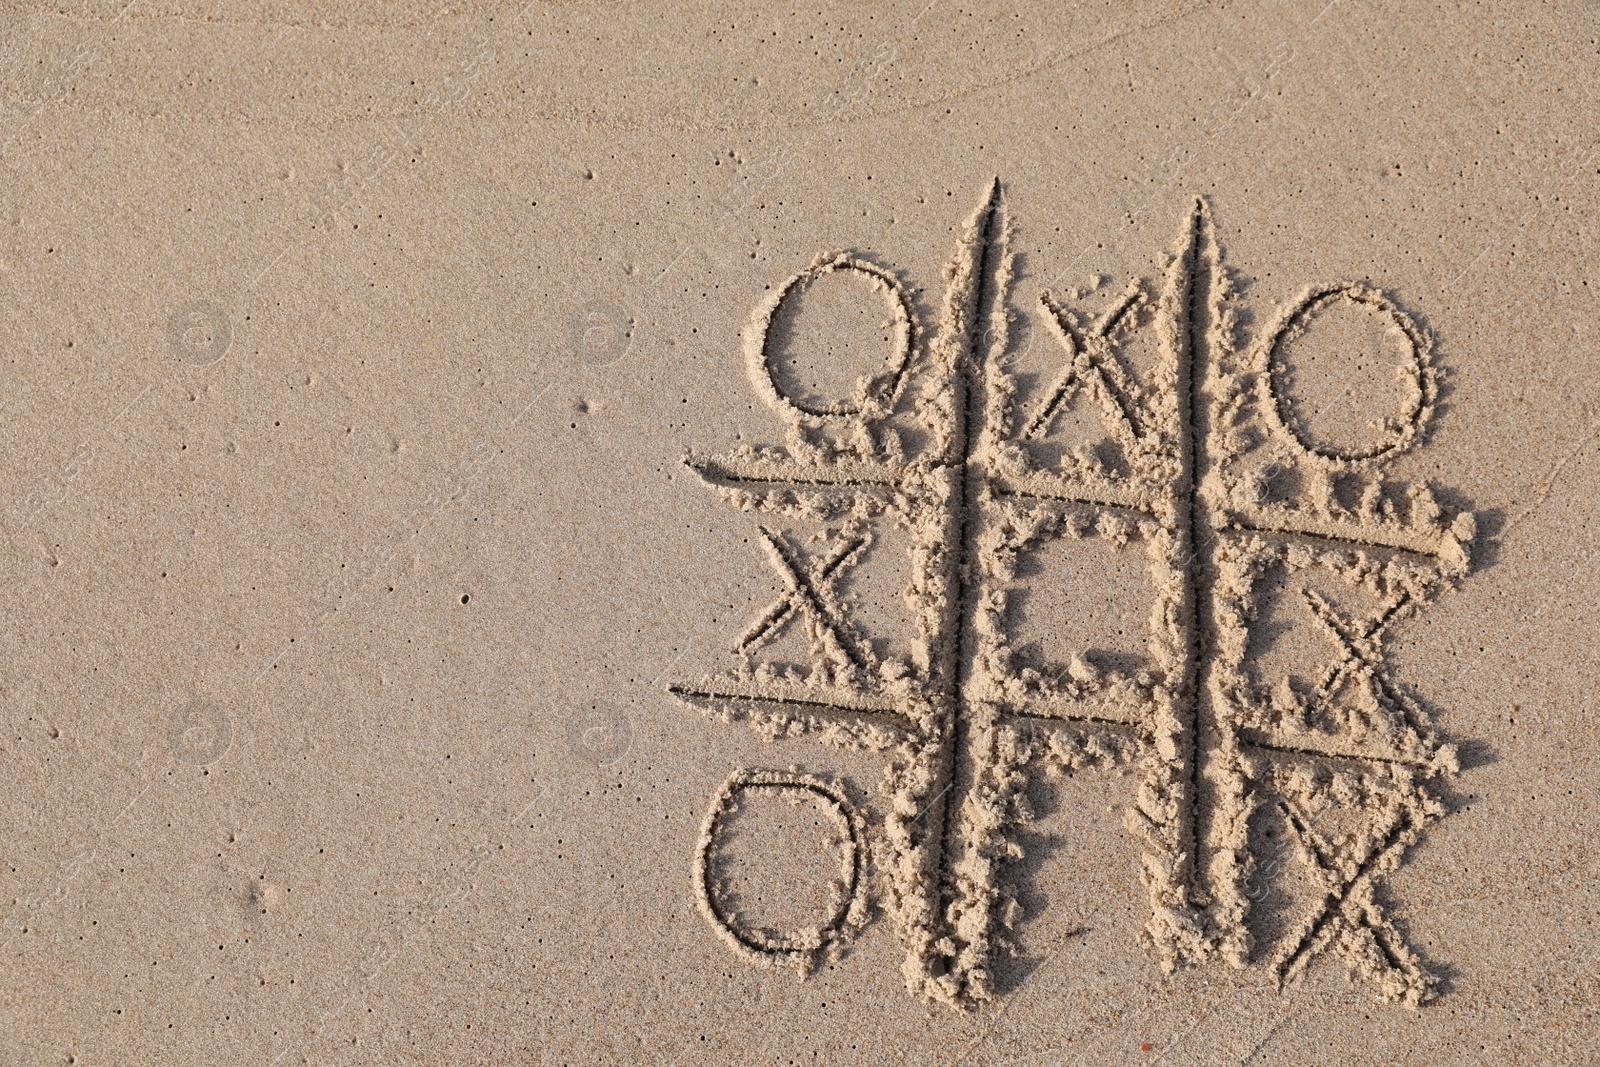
[
  {"x": 600, "y": 734},
  {"x": 1401, "y": 430},
  {"x": 801, "y": 948},
  {"x": 200, "y": 733},
  {"x": 200, "y": 332},
  {"x": 600, "y": 333},
  {"x": 874, "y": 393}
]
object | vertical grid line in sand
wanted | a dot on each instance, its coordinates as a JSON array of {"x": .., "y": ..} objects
[{"x": 968, "y": 386}]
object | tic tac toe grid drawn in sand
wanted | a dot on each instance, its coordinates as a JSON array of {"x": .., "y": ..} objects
[{"x": 1210, "y": 470}]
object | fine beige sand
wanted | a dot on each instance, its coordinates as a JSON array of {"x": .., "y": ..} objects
[{"x": 927, "y": 533}]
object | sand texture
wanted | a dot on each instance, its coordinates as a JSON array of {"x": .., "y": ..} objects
[{"x": 950, "y": 535}]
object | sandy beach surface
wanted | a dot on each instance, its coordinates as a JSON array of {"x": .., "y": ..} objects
[{"x": 934, "y": 533}]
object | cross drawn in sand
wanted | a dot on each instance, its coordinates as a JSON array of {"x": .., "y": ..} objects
[
  {"x": 809, "y": 591},
  {"x": 1209, "y": 467}
]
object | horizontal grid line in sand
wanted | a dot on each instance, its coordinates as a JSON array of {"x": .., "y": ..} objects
[
  {"x": 886, "y": 710},
  {"x": 1319, "y": 753},
  {"x": 1239, "y": 526},
  {"x": 1092, "y": 720},
  {"x": 705, "y": 471},
  {"x": 1052, "y": 498}
]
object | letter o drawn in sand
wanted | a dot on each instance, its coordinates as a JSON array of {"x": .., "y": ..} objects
[
  {"x": 874, "y": 393},
  {"x": 804, "y": 947},
  {"x": 1403, "y": 429}
]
